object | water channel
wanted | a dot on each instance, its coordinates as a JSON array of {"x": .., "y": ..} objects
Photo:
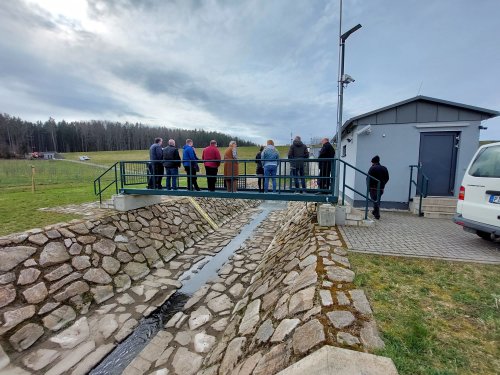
[{"x": 193, "y": 279}]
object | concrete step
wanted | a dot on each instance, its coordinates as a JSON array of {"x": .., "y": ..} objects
[
  {"x": 443, "y": 201},
  {"x": 438, "y": 215},
  {"x": 357, "y": 216},
  {"x": 439, "y": 208}
]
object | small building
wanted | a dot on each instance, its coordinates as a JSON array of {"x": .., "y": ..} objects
[
  {"x": 439, "y": 135},
  {"x": 49, "y": 155}
]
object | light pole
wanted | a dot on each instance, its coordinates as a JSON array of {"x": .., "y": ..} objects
[{"x": 344, "y": 79}]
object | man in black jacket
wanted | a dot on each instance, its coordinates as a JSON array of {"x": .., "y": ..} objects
[
  {"x": 325, "y": 167},
  {"x": 381, "y": 174},
  {"x": 172, "y": 162},
  {"x": 155, "y": 168},
  {"x": 297, "y": 154}
]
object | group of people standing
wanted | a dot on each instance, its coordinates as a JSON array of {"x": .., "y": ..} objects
[
  {"x": 168, "y": 158},
  {"x": 267, "y": 164},
  {"x": 167, "y": 161}
]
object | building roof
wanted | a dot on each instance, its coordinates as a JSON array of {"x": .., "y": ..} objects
[{"x": 487, "y": 113}]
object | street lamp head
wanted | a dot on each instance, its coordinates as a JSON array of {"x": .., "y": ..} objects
[{"x": 345, "y": 35}]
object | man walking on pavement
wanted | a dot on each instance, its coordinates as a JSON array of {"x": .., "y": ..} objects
[
  {"x": 297, "y": 154},
  {"x": 155, "y": 167},
  {"x": 381, "y": 174}
]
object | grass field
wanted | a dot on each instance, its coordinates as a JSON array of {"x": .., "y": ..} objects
[
  {"x": 108, "y": 158},
  {"x": 14, "y": 173},
  {"x": 436, "y": 317},
  {"x": 63, "y": 182}
]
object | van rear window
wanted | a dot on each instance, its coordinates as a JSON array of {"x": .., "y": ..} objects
[{"x": 487, "y": 163}]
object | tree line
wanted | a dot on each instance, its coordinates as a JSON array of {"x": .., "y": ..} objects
[{"x": 19, "y": 137}]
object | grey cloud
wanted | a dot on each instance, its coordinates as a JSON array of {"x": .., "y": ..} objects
[
  {"x": 55, "y": 85},
  {"x": 105, "y": 8},
  {"x": 221, "y": 104},
  {"x": 31, "y": 17},
  {"x": 18, "y": 19}
]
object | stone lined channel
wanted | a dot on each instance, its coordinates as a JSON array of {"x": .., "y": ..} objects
[{"x": 193, "y": 279}]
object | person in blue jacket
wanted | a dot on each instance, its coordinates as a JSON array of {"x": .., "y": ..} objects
[
  {"x": 270, "y": 160},
  {"x": 189, "y": 161}
]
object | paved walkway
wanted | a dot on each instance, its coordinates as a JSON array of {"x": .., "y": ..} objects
[{"x": 404, "y": 234}]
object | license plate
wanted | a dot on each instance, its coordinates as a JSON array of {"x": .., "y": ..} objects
[{"x": 495, "y": 199}]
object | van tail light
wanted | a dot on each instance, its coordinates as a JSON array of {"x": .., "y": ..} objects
[{"x": 461, "y": 195}]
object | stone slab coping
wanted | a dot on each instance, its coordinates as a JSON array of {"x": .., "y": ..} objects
[{"x": 331, "y": 360}]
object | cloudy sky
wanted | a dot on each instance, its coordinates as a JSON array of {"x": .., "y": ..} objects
[{"x": 257, "y": 69}]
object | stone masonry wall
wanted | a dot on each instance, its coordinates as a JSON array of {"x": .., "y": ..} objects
[
  {"x": 300, "y": 298},
  {"x": 50, "y": 277}
]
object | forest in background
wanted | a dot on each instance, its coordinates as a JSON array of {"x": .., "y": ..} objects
[{"x": 19, "y": 137}]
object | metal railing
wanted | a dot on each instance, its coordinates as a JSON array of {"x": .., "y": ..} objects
[
  {"x": 295, "y": 179},
  {"x": 99, "y": 181},
  {"x": 366, "y": 196},
  {"x": 421, "y": 186},
  {"x": 242, "y": 170}
]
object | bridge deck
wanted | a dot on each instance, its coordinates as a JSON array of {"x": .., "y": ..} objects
[{"x": 244, "y": 194}]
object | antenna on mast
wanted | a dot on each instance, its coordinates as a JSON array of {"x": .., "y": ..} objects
[{"x": 421, "y": 83}]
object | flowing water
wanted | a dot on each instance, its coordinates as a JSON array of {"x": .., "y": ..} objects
[{"x": 115, "y": 362}]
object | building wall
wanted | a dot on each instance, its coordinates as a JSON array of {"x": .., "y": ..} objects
[
  {"x": 421, "y": 111},
  {"x": 350, "y": 157},
  {"x": 398, "y": 148}
]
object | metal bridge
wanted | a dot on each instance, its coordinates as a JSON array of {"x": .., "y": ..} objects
[{"x": 132, "y": 177}]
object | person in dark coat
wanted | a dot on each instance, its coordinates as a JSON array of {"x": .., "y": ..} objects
[
  {"x": 259, "y": 171},
  {"x": 171, "y": 162},
  {"x": 381, "y": 174},
  {"x": 155, "y": 167},
  {"x": 297, "y": 154},
  {"x": 325, "y": 167}
]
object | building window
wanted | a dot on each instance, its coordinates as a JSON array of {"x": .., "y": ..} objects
[{"x": 344, "y": 151}]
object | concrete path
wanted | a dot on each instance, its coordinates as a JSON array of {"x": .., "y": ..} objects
[
  {"x": 85, "y": 163},
  {"x": 404, "y": 234}
]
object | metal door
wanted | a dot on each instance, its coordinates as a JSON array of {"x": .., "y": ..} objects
[{"x": 438, "y": 159}]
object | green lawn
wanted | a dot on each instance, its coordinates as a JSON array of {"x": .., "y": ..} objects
[
  {"x": 108, "y": 158},
  {"x": 19, "y": 206},
  {"x": 60, "y": 183},
  {"x": 436, "y": 317},
  {"x": 15, "y": 173},
  {"x": 57, "y": 183}
]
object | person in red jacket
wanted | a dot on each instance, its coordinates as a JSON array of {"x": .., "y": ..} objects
[{"x": 211, "y": 160}]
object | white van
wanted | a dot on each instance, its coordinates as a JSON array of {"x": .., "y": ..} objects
[{"x": 478, "y": 207}]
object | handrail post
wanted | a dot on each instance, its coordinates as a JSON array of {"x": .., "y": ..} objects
[
  {"x": 343, "y": 185},
  {"x": 122, "y": 174},
  {"x": 411, "y": 179},
  {"x": 333, "y": 173},
  {"x": 116, "y": 180},
  {"x": 279, "y": 176},
  {"x": 421, "y": 194},
  {"x": 100, "y": 192},
  {"x": 366, "y": 200}
]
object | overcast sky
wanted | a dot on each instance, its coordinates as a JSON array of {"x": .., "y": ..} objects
[{"x": 256, "y": 69}]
